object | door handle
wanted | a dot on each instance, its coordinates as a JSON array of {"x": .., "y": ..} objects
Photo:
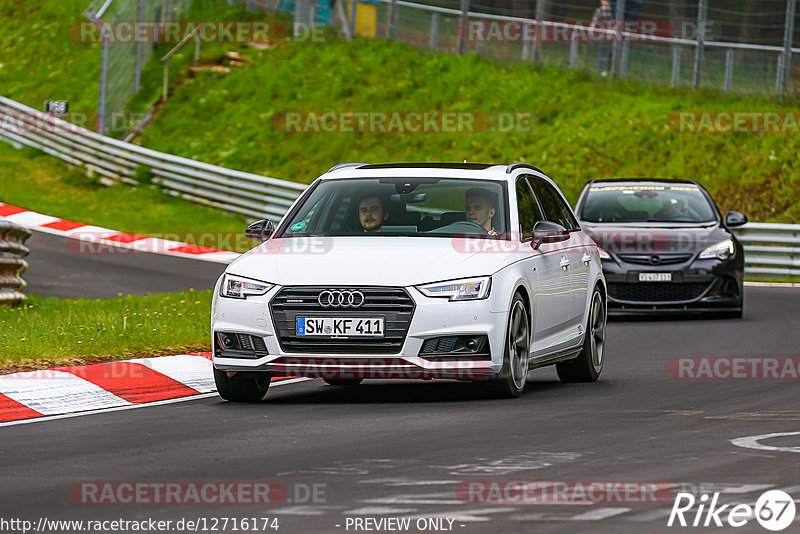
[{"x": 587, "y": 259}]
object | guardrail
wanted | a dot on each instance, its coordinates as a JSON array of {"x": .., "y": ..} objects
[
  {"x": 771, "y": 250},
  {"x": 12, "y": 264},
  {"x": 234, "y": 191}
]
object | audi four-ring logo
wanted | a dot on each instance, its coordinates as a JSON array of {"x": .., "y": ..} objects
[{"x": 340, "y": 299}]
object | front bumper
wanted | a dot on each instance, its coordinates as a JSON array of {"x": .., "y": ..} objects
[
  {"x": 432, "y": 318},
  {"x": 698, "y": 287}
]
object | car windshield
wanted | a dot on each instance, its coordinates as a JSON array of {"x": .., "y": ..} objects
[
  {"x": 679, "y": 203},
  {"x": 429, "y": 207}
]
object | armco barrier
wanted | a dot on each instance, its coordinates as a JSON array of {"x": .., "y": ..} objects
[
  {"x": 235, "y": 191},
  {"x": 771, "y": 250},
  {"x": 12, "y": 264}
]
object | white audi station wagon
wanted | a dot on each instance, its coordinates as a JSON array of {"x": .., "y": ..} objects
[{"x": 413, "y": 271}]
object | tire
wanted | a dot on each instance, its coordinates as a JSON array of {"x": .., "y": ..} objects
[
  {"x": 511, "y": 381},
  {"x": 343, "y": 381},
  {"x": 241, "y": 389},
  {"x": 589, "y": 363}
]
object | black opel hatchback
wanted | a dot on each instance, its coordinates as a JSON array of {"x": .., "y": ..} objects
[{"x": 665, "y": 247}]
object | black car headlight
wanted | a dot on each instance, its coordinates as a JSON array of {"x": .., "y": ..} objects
[{"x": 722, "y": 250}]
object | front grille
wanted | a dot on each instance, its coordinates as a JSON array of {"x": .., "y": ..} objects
[
  {"x": 394, "y": 304},
  {"x": 647, "y": 259},
  {"x": 657, "y": 292}
]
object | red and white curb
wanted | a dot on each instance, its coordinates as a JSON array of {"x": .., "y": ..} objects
[
  {"x": 112, "y": 238},
  {"x": 104, "y": 387}
]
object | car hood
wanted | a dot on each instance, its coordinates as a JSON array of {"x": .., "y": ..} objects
[
  {"x": 654, "y": 239},
  {"x": 400, "y": 261}
]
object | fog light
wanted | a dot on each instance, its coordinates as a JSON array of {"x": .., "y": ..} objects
[
  {"x": 227, "y": 341},
  {"x": 472, "y": 344}
]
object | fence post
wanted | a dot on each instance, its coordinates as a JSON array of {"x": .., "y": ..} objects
[
  {"x": 137, "y": 77},
  {"x": 779, "y": 76},
  {"x": 526, "y": 43},
  {"x": 391, "y": 23},
  {"x": 168, "y": 14},
  {"x": 101, "y": 91},
  {"x": 626, "y": 51},
  {"x": 729, "y": 70},
  {"x": 353, "y": 13},
  {"x": 676, "y": 65},
  {"x": 786, "y": 77},
  {"x": 462, "y": 26},
  {"x": 539, "y": 29},
  {"x": 573, "y": 53},
  {"x": 616, "y": 46},
  {"x": 434, "y": 30},
  {"x": 702, "y": 14}
]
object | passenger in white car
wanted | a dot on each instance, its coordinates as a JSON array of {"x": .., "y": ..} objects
[{"x": 480, "y": 207}]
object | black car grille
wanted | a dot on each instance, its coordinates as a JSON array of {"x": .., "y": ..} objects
[
  {"x": 654, "y": 259},
  {"x": 394, "y": 304},
  {"x": 656, "y": 292}
]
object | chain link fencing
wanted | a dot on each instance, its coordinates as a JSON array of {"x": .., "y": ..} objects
[{"x": 742, "y": 46}]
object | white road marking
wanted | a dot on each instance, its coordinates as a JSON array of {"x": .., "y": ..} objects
[
  {"x": 408, "y": 482},
  {"x": 55, "y": 392},
  {"x": 460, "y": 515},
  {"x": 195, "y": 372},
  {"x": 752, "y": 442},
  {"x": 133, "y": 406},
  {"x": 378, "y": 510},
  {"x": 445, "y": 497},
  {"x": 597, "y": 514}
]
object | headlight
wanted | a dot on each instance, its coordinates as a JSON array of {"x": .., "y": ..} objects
[
  {"x": 463, "y": 289},
  {"x": 722, "y": 250},
  {"x": 603, "y": 254},
  {"x": 239, "y": 287}
]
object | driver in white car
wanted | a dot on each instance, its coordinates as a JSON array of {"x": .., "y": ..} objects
[
  {"x": 480, "y": 207},
  {"x": 372, "y": 213}
]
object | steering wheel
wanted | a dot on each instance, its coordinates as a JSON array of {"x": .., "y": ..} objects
[{"x": 461, "y": 226}]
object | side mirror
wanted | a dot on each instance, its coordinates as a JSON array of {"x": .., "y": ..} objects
[
  {"x": 548, "y": 232},
  {"x": 260, "y": 230},
  {"x": 734, "y": 219}
]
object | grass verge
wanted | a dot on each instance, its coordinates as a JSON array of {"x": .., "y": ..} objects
[
  {"x": 38, "y": 182},
  {"x": 46, "y": 332},
  {"x": 581, "y": 128}
]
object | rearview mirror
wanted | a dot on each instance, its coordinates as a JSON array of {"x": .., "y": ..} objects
[
  {"x": 260, "y": 230},
  {"x": 734, "y": 219},
  {"x": 548, "y": 232}
]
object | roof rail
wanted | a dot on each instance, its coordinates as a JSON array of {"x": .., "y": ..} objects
[
  {"x": 514, "y": 166},
  {"x": 343, "y": 165}
]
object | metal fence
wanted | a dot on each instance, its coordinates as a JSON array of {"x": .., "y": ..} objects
[
  {"x": 744, "y": 46},
  {"x": 12, "y": 264},
  {"x": 771, "y": 250},
  {"x": 122, "y": 62},
  {"x": 235, "y": 191}
]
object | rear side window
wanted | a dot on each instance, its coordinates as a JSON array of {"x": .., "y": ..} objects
[
  {"x": 555, "y": 209},
  {"x": 529, "y": 211}
]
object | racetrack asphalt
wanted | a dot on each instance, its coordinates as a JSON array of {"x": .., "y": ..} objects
[{"x": 401, "y": 449}]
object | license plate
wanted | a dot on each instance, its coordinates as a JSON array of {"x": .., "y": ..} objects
[
  {"x": 655, "y": 277},
  {"x": 340, "y": 326}
]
